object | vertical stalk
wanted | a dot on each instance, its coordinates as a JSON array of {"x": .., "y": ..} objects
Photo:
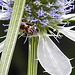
[
  {"x": 11, "y": 38},
  {"x": 32, "y": 56}
]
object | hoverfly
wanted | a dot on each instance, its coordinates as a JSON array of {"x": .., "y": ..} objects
[{"x": 29, "y": 28}]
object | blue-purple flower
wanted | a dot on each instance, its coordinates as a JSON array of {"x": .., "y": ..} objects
[
  {"x": 48, "y": 15},
  {"x": 5, "y": 12}
]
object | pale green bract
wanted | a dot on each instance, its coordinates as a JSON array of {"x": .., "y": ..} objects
[
  {"x": 3, "y": 15},
  {"x": 67, "y": 32},
  {"x": 68, "y": 16},
  {"x": 51, "y": 58}
]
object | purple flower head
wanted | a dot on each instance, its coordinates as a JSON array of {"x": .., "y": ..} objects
[
  {"x": 49, "y": 5},
  {"x": 40, "y": 12},
  {"x": 49, "y": 11},
  {"x": 29, "y": 19},
  {"x": 9, "y": 2},
  {"x": 46, "y": 21},
  {"x": 37, "y": 2},
  {"x": 35, "y": 20},
  {"x": 1, "y": 2},
  {"x": 64, "y": 5},
  {"x": 27, "y": 8},
  {"x": 43, "y": 23},
  {"x": 32, "y": 17},
  {"x": 6, "y": 9}
]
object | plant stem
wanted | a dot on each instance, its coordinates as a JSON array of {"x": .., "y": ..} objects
[
  {"x": 11, "y": 38},
  {"x": 32, "y": 56}
]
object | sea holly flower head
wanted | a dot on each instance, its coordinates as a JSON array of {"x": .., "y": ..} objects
[
  {"x": 27, "y": 8},
  {"x": 6, "y": 10},
  {"x": 48, "y": 15},
  {"x": 52, "y": 11},
  {"x": 49, "y": 5},
  {"x": 38, "y": 3}
]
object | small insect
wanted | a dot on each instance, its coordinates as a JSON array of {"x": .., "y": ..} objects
[{"x": 29, "y": 28}]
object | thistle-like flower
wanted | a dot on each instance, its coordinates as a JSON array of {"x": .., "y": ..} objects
[
  {"x": 48, "y": 15},
  {"x": 5, "y": 12}
]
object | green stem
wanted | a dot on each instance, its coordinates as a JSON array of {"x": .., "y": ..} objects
[
  {"x": 11, "y": 38},
  {"x": 32, "y": 56}
]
